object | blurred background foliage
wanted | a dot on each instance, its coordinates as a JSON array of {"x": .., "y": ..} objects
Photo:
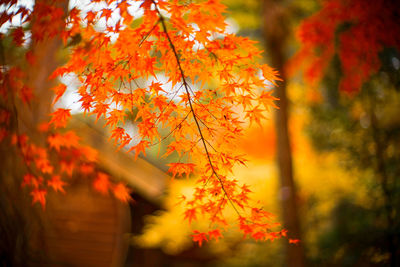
[{"x": 346, "y": 166}]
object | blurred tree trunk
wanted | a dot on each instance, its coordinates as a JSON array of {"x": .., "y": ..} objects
[
  {"x": 276, "y": 31},
  {"x": 20, "y": 222},
  {"x": 46, "y": 61}
]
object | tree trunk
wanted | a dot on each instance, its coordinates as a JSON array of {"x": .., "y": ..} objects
[
  {"x": 20, "y": 222},
  {"x": 275, "y": 35},
  {"x": 46, "y": 61}
]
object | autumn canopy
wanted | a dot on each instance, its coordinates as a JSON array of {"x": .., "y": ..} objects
[{"x": 205, "y": 86}]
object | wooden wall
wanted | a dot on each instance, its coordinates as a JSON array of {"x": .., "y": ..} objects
[{"x": 85, "y": 228}]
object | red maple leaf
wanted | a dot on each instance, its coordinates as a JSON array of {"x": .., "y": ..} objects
[
  {"x": 199, "y": 237},
  {"x": 216, "y": 234},
  {"x": 59, "y": 90},
  {"x": 56, "y": 183},
  {"x": 101, "y": 183},
  {"x": 294, "y": 241},
  {"x": 122, "y": 193},
  {"x": 190, "y": 214},
  {"x": 39, "y": 195},
  {"x": 181, "y": 168},
  {"x": 60, "y": 117}
]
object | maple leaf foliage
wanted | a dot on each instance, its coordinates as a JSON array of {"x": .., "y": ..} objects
[
  {"x": 102, "y": 183},
  {"x": 215, "y": 84},
  {"x": 121, "y": 192},
  {"x": 39, "y": 195},
  {"x": 354, "y": 30},
  {"x": 199, "y": 237},
  {"x": 56, "y": 183}
]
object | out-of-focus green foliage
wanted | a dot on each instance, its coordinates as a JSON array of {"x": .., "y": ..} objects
[
  {"x": 249, "y": 14},
  {"x": 246, "y": 14},
  {"x": 365, "y": 131}
]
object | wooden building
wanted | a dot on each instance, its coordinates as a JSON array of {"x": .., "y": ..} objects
[{"x": 85, "y": 228}]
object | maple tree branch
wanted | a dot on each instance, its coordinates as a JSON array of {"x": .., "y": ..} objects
[
  {"x": 148, "y": 34},
  {"x": 15, "y": 111},
  {"x": 221, "y": 202},
  {"x": 209, "y": 112},
  {"x": 184, "y": 84},
  {"x": 211, "y": 52},
  {"x": 162, "y": 20},
  {"x": 17, "y": 132},
  {"x": 201, "y": 104},
  {"x": 169, "y": 102},
  {"x": 176, "y": 127},
  {"x": 211, "y": 145},
  {"x": 136, "y": 83}
]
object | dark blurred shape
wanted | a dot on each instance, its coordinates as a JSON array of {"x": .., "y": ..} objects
[
  {"x": 276, "y": 33},
  {"x": 75, "y": 40}
]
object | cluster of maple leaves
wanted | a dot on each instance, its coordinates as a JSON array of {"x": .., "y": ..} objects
[
  {"x": 215, "y": 86},
  {"x": 354, "y": 30}
]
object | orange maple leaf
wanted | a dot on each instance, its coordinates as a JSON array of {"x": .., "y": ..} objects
[
  {"x": 59, "y": 90},
  {"x": 27, "y": 180},
  {"x": 101, "y": 183},
  {"x": 71, "y": 139},
  {"x": 156, "y": 87},
  {"x": 294, "y": 241},
  {"x": 90, "y": 16},
  {"x": 39, "y": 195},
  {"x": 67, "y": 167},
  {"x": 258, "y": 235},
  {"x": 86, "y": 168},
  {"x": 89, "y": 153},
  {"x": 199, "y": 237},
  {"x": 140, "y": 147},
  {"x": 216, "y": 234},
  {"x": 100, "y": 109},
  {"x": 267, "y": 99},
  {"x": 181, "y": 168},
  {"x": 117, "y": 134},
  {"x": 60, "y": 117},
  {"x": 55, "y": 141},
  {"x": 115, "y": 117},
  {"x": 190, "y": 214},
  {"x": 56, "y": 183},
  {"x": 122, "y": 192},
  {"x": 43, "y": 127},
  {"x": 106, "y": 13}
]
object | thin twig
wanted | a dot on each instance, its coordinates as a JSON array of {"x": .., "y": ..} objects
[
  {"x": 148, "y": 34},
  {"x": 177, "y": 126}
]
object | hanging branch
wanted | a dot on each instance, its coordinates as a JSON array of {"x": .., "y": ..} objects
[{"x": 186, "y": 86}]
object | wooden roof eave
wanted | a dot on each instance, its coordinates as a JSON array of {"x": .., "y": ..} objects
[{"x": 148, "y": 180}]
